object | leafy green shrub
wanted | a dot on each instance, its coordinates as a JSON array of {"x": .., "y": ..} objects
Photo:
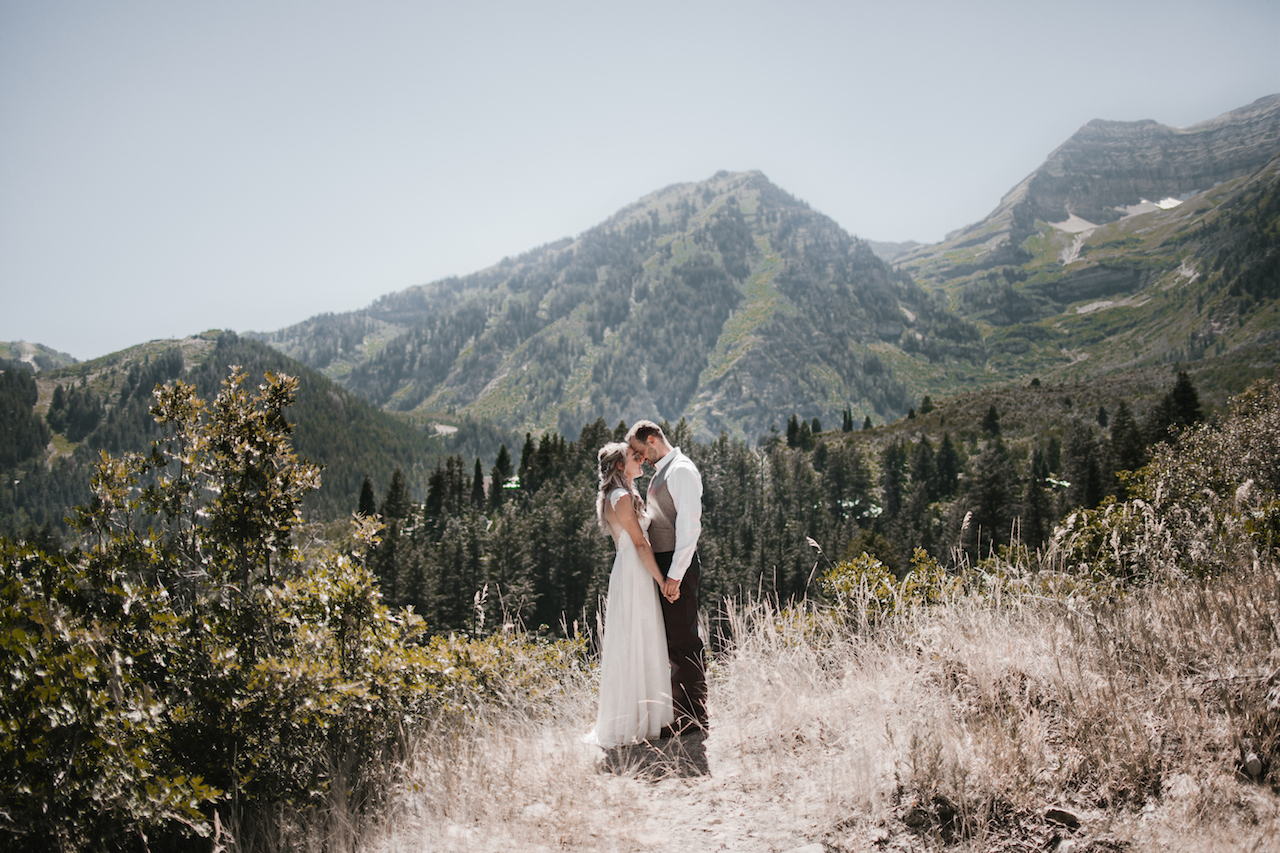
[
  {"x": 928, "y": 583},
  {"x": 862, "y": 588},
  {"x": 82, "y": 754},
  {"x": 1204, "y": 502},
  {"x": 865, "y": 589},
  {"x": 189, "y": 668}
]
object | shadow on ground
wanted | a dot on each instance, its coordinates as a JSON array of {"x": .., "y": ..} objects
[{"x": 683, "y": 757}]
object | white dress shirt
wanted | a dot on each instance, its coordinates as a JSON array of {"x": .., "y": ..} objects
[{"x": 685, "y": 485}]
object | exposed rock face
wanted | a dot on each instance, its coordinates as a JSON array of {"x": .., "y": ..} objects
[
  {"x": 1105, "y": 167},
  {"x": 1108, "y": 165}
]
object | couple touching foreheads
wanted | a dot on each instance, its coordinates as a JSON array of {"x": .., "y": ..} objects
[{"x": 653, "y": 680}]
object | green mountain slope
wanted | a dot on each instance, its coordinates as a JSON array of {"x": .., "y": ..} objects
[
  {"x": 1168, "y": 285},
  {"x": 1105, "y": 171},
  {"x": 103, "y": 405},
  {"x": 38, "y": 356},
  {"x": 732, "y": 304},
  {"x": 1059, "y": 295},
  {"x": 727, "y": 302}
]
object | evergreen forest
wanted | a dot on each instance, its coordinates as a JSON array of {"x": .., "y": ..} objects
[
  {"x": 104, "y": 406},
  {"x": 521, "y": 539}
]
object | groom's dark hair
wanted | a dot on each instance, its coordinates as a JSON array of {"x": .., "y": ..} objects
[{"x": 643, "y": 429}]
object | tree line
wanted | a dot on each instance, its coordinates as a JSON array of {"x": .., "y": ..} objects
[
  {"x": 521, "y": 539},
  {"x": 107, "y": 408}
]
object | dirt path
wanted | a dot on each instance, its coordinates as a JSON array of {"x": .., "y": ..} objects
[{"x": 692, "y": 794}]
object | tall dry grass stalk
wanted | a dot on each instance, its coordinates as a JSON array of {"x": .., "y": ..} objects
[
  {"x": 958, "y": 723},
  {"x": 968, "y": 718}
]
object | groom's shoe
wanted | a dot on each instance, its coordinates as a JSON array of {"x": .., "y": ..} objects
[{"x": 684, "y": 726}]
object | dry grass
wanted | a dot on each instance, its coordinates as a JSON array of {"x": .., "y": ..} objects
[{"x": 955, "y": 726}]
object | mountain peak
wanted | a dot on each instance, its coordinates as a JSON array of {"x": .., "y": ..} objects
[
  {"x": 1103, "y": 171},
  {"x": 726, "y": 301},
  {"x": 38, "y": 356}
]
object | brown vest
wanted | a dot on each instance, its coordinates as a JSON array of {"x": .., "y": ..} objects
[{"x": 662, "y": 512}]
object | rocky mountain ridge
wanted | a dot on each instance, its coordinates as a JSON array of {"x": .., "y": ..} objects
[
  {"x": 1105, "y": 171},
  {"x": 731, "y": 303},
  {"x": 727, "y": 302}
]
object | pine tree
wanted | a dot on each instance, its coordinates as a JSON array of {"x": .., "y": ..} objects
[
  {"x": 923, "y": 470},
  {"x": 23, "y": 434},
  {"x": 398, "y": 503},
  {"x": 893, "y": 477},
  {"x": 991, "y": 495},
  {"x": 386, "y": 561},
  {"x": 1177, "y": 410},
  {"x": 1053, "y": 455},
  {"x": 57, "y": 414},
  {"x": 447, "y": 490},
  {"x": 947, "y": 465},
  {"x": 819, "y": 458},
  {"x": 1083, "y": 467},
  {"x": 498, "y": 477},
  {"x": 433, "y": 506},
  {"x": 368, "y": 504},
  {"x": 389, "y": 555},
  {"x": 452, "y": 601},
  {"x": 804, "y": 437},
  {"x": 1125, "y": 449},
  {"x": 917, "y": 521},
  {"x": 991, "y": 423},
  {"x": 477, "y": 486},
  {"x": 1186, "y": 402},
  {"x": 846, "y": 483},
  {"x": 594, "y": 436},
  {"x": 527, "y": 454},
  {"x": 1037, "y": 510},
  {"x": 793, "y": 431},
  {"x": 459, "y": 483}
]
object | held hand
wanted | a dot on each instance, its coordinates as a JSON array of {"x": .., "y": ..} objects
[{"x": 670, "y": 589}]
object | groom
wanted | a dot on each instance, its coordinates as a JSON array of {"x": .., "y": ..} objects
[{"x": 675, "y": 512}]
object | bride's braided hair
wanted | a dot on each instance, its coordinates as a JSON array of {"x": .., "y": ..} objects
[{"x": 613, "y": 476}]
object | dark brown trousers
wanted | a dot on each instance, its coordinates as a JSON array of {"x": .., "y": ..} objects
[{"x": 684, "y": 647}]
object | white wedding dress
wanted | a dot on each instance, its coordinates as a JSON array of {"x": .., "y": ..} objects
[{"x": 635, "y": 674}]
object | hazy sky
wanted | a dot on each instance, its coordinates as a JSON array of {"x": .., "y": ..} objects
[{"x": 170, "y": 167}]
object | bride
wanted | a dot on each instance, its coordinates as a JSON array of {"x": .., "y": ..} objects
[{"x": 635, "y": 674}]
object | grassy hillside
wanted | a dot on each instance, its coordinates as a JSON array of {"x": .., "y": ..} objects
[
  {"x": 1177, "y": 285},
  {"x": 733, "y": 305},
  {"x": 727, "y": 302},
  {"x": 106, "y": 405},
  {"x": 39, "y": 356}
]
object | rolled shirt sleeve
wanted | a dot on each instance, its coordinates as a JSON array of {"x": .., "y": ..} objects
[{"x": 685, "y": 485}]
